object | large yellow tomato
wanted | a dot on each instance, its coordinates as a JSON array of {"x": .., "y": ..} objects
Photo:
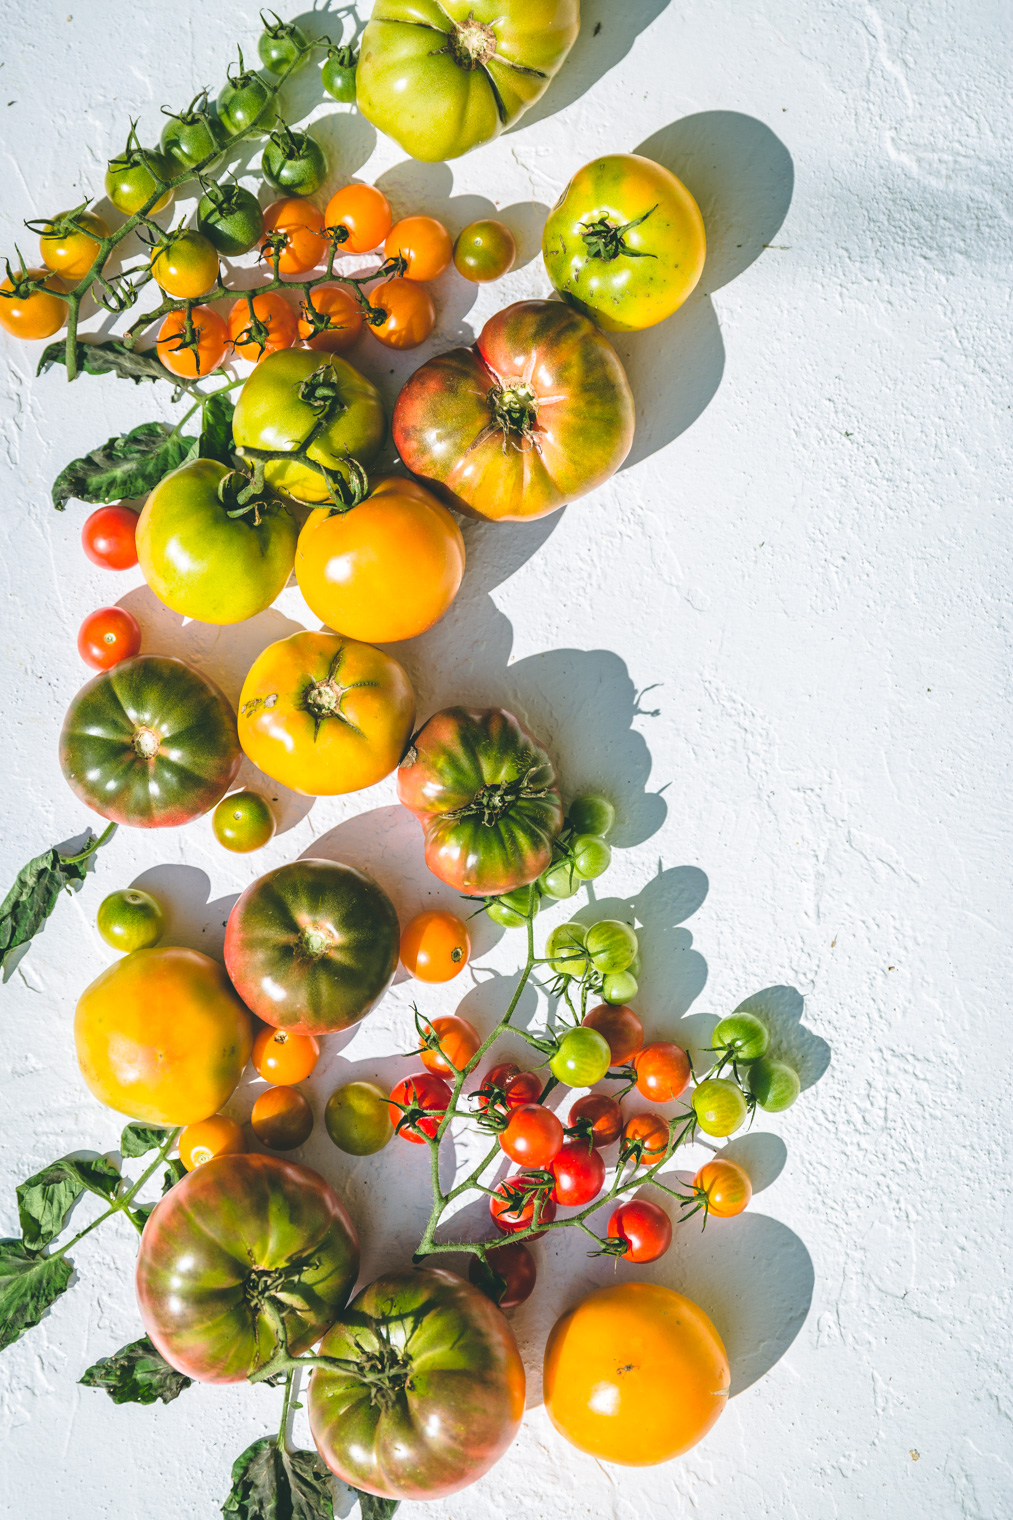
[
  {"x": 635, "y": 1374},
  {"x": 162, "y": 1036},
  {"x": 385, "y": 570},
  {"x": 324, "y": 714}
]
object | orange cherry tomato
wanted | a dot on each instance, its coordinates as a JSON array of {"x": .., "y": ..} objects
[
  {"x": 662, "y": 1070},
  {"x": 302, "y": 226},
  {"x": 273, "y": 314},
  {"x": 108, "y": 636},
  {"x": 620, "y": 1026},
  {"x": 210, "y": 340},
  {"x": 435, "y": 946},
  {"x": 411, "y": 315},
  {"x": 458, "y": 1039},
  {"x": 330, "y": 319},
  {"x": 365, "y": 215},
  {"x": 282, "y": 1119},
  {"x": 726, "y": 1188},
  {"x": 424, "y": 242},
  {"x": 282, "y": 1057},
  {"x": 186, "y": 266},
  {"x": 36, "y": 314},
  {"x": 650, "y": 1133},
  {"x": 218, "y": 1136}
]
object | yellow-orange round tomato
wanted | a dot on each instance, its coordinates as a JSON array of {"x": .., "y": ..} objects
[
  {"x": 282, "y": 1057},
  {"x": 423, "y": 243},
  {"x": 301, "y": 226},
  {"x": 410, "y": 315},
  {"x": 186, "y": 266},
  {"x": 725, "y": 1187},
  {"x": 69, "y": 245},
  {"x": 363, "y": 213},
  {"x": 162, "y": 1036},
  {"x": 458, "y": 1040},
  {"x": 330, "y": 319},
  {"x": 435, "y": 946},
  {"x": 635, "y": 1374},
  {"x": 271, "y": 328},
  {"x": 385, "y": 570},
  {"x": 219, "y": 1136},
  {"x": 210, "y": 339},
  {"x": 35, "y": 313},
  {"x": 324, "y": 714}
]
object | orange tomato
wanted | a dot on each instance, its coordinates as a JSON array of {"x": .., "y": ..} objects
[
  {"x": 302, "y": 226},
  {"x": 279, "y": 1056},
  {"x": 635, "y": 1374},
  {"x": 282, "y": 1118},
  {"x": 186, "y": 266},
  {"x": 385, "y": 570},
  {"x": 662, "y": 1069},
  {"x": 211, "y": 337},
  {"x": 325, "y": 714},
  {"x": 435, "y": 946},
  {"x": 424, "y": 242},
  {"x": 36, "y": 315},
  {"x": 649, "y": 1132},
  {"x": 365, "y": 215},
  {"x": 343, "y": 322},
  {"x": 459, "y": 1039},
  {"x": 725, "y": 1187},
  {"x": 411, "y": 315},
  {"x": 202, "y": 1142},
  {"x": 162, "y": 1036},
  {"x": 271, "y": 312}
]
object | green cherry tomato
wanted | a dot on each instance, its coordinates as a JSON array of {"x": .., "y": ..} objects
[
  {"x": 338, "y": 74},
  {"x": 231, "y": 219},
  {"x": 564, "y": 950},
  {"x": 294, "y": 162},
  {"x": 243, "y": 822},
  {"x": 582, "y": 1058},
  {"x": 192, "y": 136},
  {"x": 244, "y": 100},
  {"x": 484, "y": 251},
  {"x": 774, "y": 1085},
  {"x": 741, "y": 1035},
  {"x": 511, "y": 910},
  {"x": 611, "y": 946},
  {"x": 560, "y": 880},
  {"x": 620, "y": 987},
  {"x": 591, "y": 856},
  {"x": 130, "y": 920},
  {"x": 281, "y": 44},
  {"x": 591, "y": 814},
  {"x": 130, "y": 183},
  {"x": 720, "y": 1106},
  {"x": 358, "y": 1119}
]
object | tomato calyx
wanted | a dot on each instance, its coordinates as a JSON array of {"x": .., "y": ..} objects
[
  {"x": 471, "y": 43},
  {"x": 494, "y": 800},
  {"x": 147, "y": 742},
  {"x": 515, "y": 411},
  {"x": 606, "y": 241},
  {"x": 23, "y": 283},
  {"x": 323, "y": 699}
]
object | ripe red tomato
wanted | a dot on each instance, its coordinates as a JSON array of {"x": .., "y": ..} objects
[
  {"x": 109, "y": 538},
  {"x": 108, "y": 636},
  {"x": 515, "y": 1264},
  {"x": 435, "y": 946},
  {"x": 649, "y": 1134},
  {"x": 282, "y": 1118},
  {"x": 411, "y": 315},
  {"x": 458, "y": 1042},
  {"x": 273, "y": 314},
  {"x": 422, "y": 1091},
  {"x": 494, "y": 1082},
  {"x": 301, "y": 227},
  {"x": 662, "y": 1070},
  {"x": 533, "y": 1136},
  {"x": 210, "y": 336},
  {"x": 579, "y": 1174},
  {"x": 330, "y": 319},
  {"x": 364, "y": 213},
  {"x": 514, "y": 1203},
  {"x": 522, "y": 1087},
  {"x": 620, "y": 1026},
  {"x": 284, "y": 1058},
  {"x": 646, "y": 1229},
  {"x": 600, "y": 1115},
  {"x": 423, "y": 242}
]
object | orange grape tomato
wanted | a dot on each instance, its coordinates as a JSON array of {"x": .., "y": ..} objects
[
  {"x": 282, "y": 1057},
  {"x": 435, "y": 945},
  {"x": 726, "y": 1186},
  {"x": 303, "y": 228},
  {"x": 282, "y": 1118},
  {"x": 410, "y": 313},
  {"x": 218, "y": 1136},
  {"x": 210, "y": 340},
  {"x": 364, "y": 212},
  {"x": 271, "y": 311},
  {"x": 459, "y": 1039},
  {"x": 330, "y": 319},
  {"x": 424, "y": 242}
]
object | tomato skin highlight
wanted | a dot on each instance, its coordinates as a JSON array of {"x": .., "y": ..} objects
[
  {"x": 533, "y": 1137},
  {"x": 663, "y": 1071},
  {"x": 435, "y": 946},
  {"x": 459, "y": 1041},
  {"x": 422, "y": 1091},
  {"x": 107, "y": 636},
  {"x": 646, "y": 1229},
  {"x": 108, "y": 537}
]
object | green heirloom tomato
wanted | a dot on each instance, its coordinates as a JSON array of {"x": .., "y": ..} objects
[
  {"x": 230, "y": 218},
  {"x": 611, "y": 945},
  {"x": 193, "y": 135},
  {"x": 245, "y": 100},
  {"x": 236, "y": 1234},
  {"x": 742, "y": 1036},
  {"x": 564, "y": 950},
  {"x": 512, "y": 909},
  {"x": 312, "y": 946},
  {"x": 280, "y": 44},
  {"x": 357, "y": 1117},
  {"x": 294, "y": 162},
  {"x": 442, "y": 78},
  {"x": 150, "y": 742},
  {"x": 297, "y": 392},
  {"x": 243, "y": 822},
  {"x": 720, "y": 1106},
  {"x": 591, "y": 814},
  {"x": 582, "y": 1058},
  {"x": 625, "y": 242},
  {"x": 485, "y": 794},
  {"x": 431, "y": 1392},
  {"x": 774, "y": 1085},
  {"x": 205, "y": 564},
  {"x": 338, "y": 74},
  {"x": 130, "y": 920},
  {"x": 591, "y": 856}
]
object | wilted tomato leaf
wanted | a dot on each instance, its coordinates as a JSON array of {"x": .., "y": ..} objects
[
  {"x": 138, "y": 1139},
  {"x": 131, "y": 464},
  {"x": 29, "y": 1283},
  {"x": 136, "y": 1374},
  {"x": 45, "y": 1200},
  {"x": 270, "y": 1484},
  {"x": 36, "y": 891},
  {"x": 110, "y": 357}
]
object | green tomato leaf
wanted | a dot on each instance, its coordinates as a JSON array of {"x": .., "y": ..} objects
[
  {"x": 138, "y": 1139},
  {"x": 174, "y": 1172},
  {"x": 29, "y": 1283},
  {"x": 110, "y": 357},
  {"x": 36, "y": 892},
  {"x": 268, "y": 1484},
  {"x": 216, "y": 430},
  {"x": 130, "y": 464},
  {"x": 373, "y": 1508},
  {"x": 136, "y": 1374},
  {"x": 45, "y": 1200}
]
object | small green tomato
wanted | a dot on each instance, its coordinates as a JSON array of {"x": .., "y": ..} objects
[
  {"x": 773, "y": 1084},
  {"x": 720, "y": 1106},
  {"x": 620, "y": 987},
  {"x": 511, "y": 910},
  {"x": 564, "y": 950},
  {"x": 591, "y": 856},
  {"x": 591, "y": 814},
  {"x": 243, "y": 822},
  {"x": 743, "y": 1036},
  {"x": 280, "y": 44},
  {"x": 582, "y": 1058},
  {"x": 358, "y": 1119},
  {"x": 560, "y": 880},
  {"x": 130, "y": 920},
  {"x": 612, "y": 946},
  {"x": 338, "y": 74}
]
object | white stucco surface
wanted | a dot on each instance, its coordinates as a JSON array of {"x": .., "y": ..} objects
[{"x": 778, "y": 638}]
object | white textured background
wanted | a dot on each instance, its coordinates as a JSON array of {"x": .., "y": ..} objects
[{"x": 806, "y": 563}]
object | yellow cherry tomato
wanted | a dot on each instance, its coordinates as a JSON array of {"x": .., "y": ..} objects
[
  {"x": 70, "y": 242},
  {"x": 186, "y": 266},
  {"x": 32, "y": 313},
  {"x": 218, "y": 1136}
]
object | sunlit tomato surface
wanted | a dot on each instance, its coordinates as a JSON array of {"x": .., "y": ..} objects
[
  {"x": 357, "y": 1117},
  {"x": 218, "y": 1136},
  {"x": 330, "y": 319},
  {"x": 195, "y": 353},
  {"x": 423, "y": 242},
  {"x": 459, "y": 1041},
  {"x": 635, "y": 1374},
  {"x": 282, "y": 1057},
  {"x": 243, "y": 822},
  {"x": 720, "y": 1106},
  {"x": 725, "y": 1186},
  {"x": 186, "y": 266},
  {"x": 410, "y": 313},
  {"x": 424, "y": 1091},
  {"x": 364, "y": 214},
  {"x": 301, "y": 226},
  {"x": 514, "y": 1263},
  {"x": 620, "y": 1026},
  {"x": 71, "y": 250},
  {"x": 598, "y": 1117},
  {"x": 282, "y": 1118},
  {"x": 162, "y": 1036},
  {"x": 647, "y": 1136},
  {"x": 108, "y": 537},
  {"x": 533, "y": 1137},
  {"x": 130, "y": 919},
  {"x": 324, "y": 714},
  {"x": 435, "y": 946},
  {"x": 579, "y": 1173},
  {"x": 516, "y": 1202},
  {"x": 385, "y": 570},
  {"x": 645, "y": 1228},
  {"x": 107, "y": 636},
  {"x": 36, "y": 313},
  {"x": 234, "y": 1233},
  {"x": 484, "y": 251},
  {"x": 662, "y": 1070},
  {"x": 271, "y": 327}
]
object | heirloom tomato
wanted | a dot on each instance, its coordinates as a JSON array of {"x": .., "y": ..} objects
[
  {"x": 107, "y": 636},
  {"x": 201, "y": 561},
  {"x": 442, "y": 79},
  {"x": 70, "y": 243},
  {"x": 458, "y": 1040},
  {"x": 409, "y": 314},
  {"x": 644, "y": 1228},
  {"x": 236, "y": 1234},
  {"x": 299, "y": 243},
  {"x": 295, "y": 394},
  {"x": 324, "y": 714},
  {"x": 515, "y": 1265},
  {"x": 109, "y": 537},
  {"x": 330, "y": 319},
  {"x": 363, "y": 213},
  {"x": 635, "y": 1374},
  {"x": 200, "y": 351},
  {"x": 358, "y": 1119},
  {"x": 435, "y": 946},
  {"x": 384, "y": 570},
  {"x": 485, "y": 794},
  {"x": 423, "y": 243},
  {"x": 621, "y": 1028},
  {"x": 427, "y": 1092},
  {"x": 625, "y": 242},
  {"x": 430, "y": 1393},
  {"x": 27, "y": 313},
  {"x": 537, "y": 413},
  {"x": 270, "y": 328},
  {"x": 162, "y": 1036},
  {"x": 150, "y": 743},
  {"x": 282, "y": 1118},
  {"x": 484, "y": 251},
  {"x": 312, "y": 946}
]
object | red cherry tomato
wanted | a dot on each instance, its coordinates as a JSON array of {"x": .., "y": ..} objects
[
  {"x": 599, "y": 1113},
  {"x": 523, "y": 1087},
  {"x": 648, "y": 1132},
  {"x": 515, "y": 1264},
  {"x": 421, "y": 1091},
  {"x": 579, "y": 1174},
  {"x": 458, "y": 1039},
  {"x": 646, "y": 1229},
  {"x": 620, "y": 1026},
  {"x": 513, "y": 1205},
  {"x": 533, "y": 1136},
  {"x": 662, "y": 1071},
  {"x": 495, "y": 1080},
  {"x": 109, "y": 538},
  {"x": 108, "y": 636}
]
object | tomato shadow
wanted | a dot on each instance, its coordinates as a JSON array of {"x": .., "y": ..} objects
[
  {"x": 781, "y": 1009},
  {"x": 760, "y": 1154},
  {"x": 192, "y": 919}
]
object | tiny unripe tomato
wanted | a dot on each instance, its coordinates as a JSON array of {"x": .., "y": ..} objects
[
  {"x": 294, "y": 162},
  {"x": 272, "y": 326},
  {"x": 364, "y": 214},
  {"x": 281, "y": 44},
  {"x": 619, "y": 987},
  {"x": 646, "y": 1229},
  {"x": 35, "y": 314},
  {"x": 459, "y": 1041},
  {"x": 435, "y": 946},
  {"x": 218, "y": 1136},
  {"x": 423, "y": 242},
  {"x": 581, "y": 1059},
  {"x": 185, "y": 266},
  {"x": 579, "y": 1174},
  {"x": 107, "y": 636},
  {"x": 338, "y": 75},
  {"x": 71, "y": 250},
  {"x": 301, "y": 227},
  {"x": 130, "y": 919},
  {"x": 720, "y": 1106},
  {"x": 564, "y": 950},
  {"x": 410, "y": 313},
  {"x": 591, "y": 813},
  {"x": 130, "y": 184},
  {"x": 422, "y": 1091},
  {"x": 511, "y": 910},
  {"x": 649, "y": 1134},
  {"x": 774, "y": 1085},
  {"x": 192, "y": 355},
  {"x": 109, "y": 538},
  {"x": 245, "y": 101},
  {"x": 591, "y": 856},
  {"x": 231, "y": 219},
  {"x": 193, "y": 136},
  {"x": 560, "y": 880},
  {"x": 282, "y": 1118},
  {"x": 242, "y": 822},
  {"x": 611, "y": 945},
  {"x": 516, "y": 1201},
  {"x": 284, "y": 1058},
  {"x": 620, "y": 1026},
  {"x": 330, "y": 319},
  {"x": 515, "y": 1265},
  {"x": 484, "y": 251},
  {"x": 741, "y": 1035},
  {"x": 726, "y": 1188},
  {"x": 598, "y": 1118},
  {"x": 533, "y": 1136},
  {"x": 662, "y": 1070},
  {"x": 358, "y": 1119}
]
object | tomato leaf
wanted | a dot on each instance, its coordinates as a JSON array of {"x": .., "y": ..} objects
[
  {"x": 136, "y": 1374},
  {"x": 130, "y": 464},
  {"x": 373, "y": 1508},
  {"x": 45, "y": 1200},
  {"x": 174, "y": 1172},
  {"x": 216, "y": 429},
  {"x": 36, "y": 891},
  {"x": 268, "y": 1484},
  {"x": 29, "y": 1283},
  {"x": 138, "y": 1139},
  {"x": 110, "y": 357}
]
